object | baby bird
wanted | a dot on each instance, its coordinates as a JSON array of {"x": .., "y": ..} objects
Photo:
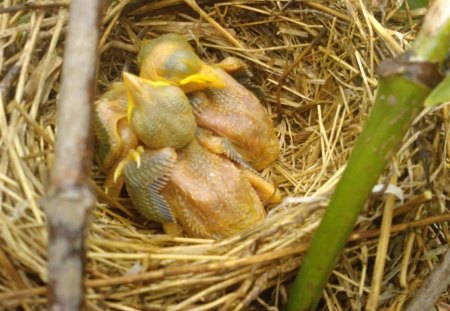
[
  {"x": 176, "y": 179},
  {"x": 221, "y": 104},
  {"x": 114, "y": 137}
]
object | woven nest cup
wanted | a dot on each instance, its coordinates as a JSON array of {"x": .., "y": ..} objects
[{"x": 314, "y": 63}]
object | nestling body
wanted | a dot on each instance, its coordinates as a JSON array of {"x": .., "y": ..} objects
[
  {"x": 205, "y": 193},
  {"x": 221, "y": 104}
]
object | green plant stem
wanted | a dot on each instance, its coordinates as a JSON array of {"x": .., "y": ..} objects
[
  {"x": 390, "y": 119},
  {"x": 399, "y": 100}
]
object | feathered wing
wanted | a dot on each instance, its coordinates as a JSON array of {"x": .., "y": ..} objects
[{"x": 144, "y": 183}]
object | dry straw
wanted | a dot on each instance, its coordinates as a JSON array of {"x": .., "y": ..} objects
[{"x": 323, "y": 101}]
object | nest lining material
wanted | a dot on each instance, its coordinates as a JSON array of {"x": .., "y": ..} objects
[{"x": 131, "y": 264}]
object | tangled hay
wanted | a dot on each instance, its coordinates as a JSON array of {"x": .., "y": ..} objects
[{"x": 322, "y": 101}]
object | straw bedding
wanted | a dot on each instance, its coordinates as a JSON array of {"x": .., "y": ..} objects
[{"x": 318, "y": 107}]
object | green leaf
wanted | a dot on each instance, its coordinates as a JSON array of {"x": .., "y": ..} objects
[
  {"x": 440, "y": 94},
  {"x": 416, "y": 4}
]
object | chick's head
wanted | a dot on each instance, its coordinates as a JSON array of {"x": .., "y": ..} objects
[
  {"x": 171, "y": 59},
  {"x": 159, "y": 114}
]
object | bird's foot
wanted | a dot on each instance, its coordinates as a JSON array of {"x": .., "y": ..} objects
[{"x": 133, "y": 155}]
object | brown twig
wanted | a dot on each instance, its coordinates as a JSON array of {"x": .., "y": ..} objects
[
  {"x": 70, "y": 198},
  {"x": 413, "y": 202},
  {"x": 401, "y": 227},
  {"x": 8, "y": 80},
  {"x": 288, "y": 70},
  {"x": 33, "y": 6},
  {"x": 329, "y": 10},
  {"x": 382, "y": 251},
  {"x": 193, "y": 4}
]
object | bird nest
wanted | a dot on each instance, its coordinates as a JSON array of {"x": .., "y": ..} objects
[{"x": 315, "y": 62}]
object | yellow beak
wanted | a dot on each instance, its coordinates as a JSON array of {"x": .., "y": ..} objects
[
  {"x": 132, "y": 83},
  {"x": 205, "y": 78},
  {"x": 134, "y": 86}
]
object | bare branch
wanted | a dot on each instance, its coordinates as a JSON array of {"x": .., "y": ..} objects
[
  {"x": 435, "y": 284},
  {"x": 70, "y": 198}
]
